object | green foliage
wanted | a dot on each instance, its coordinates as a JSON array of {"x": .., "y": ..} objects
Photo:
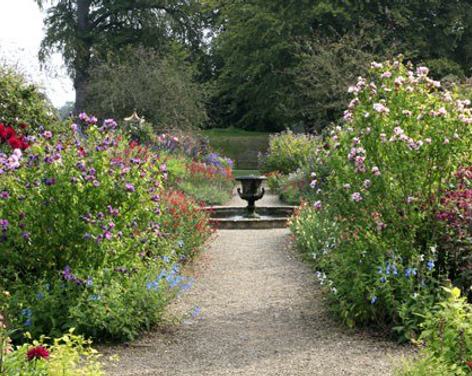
[
  {"x": 22, "y": 102},
  {"x": 288, "y": 152},
  {"x": 69, "y": 355},
  {"x": 328, "y": 65},
  {"x": 446, "y": 340},
  {"x": 264, "y": 77},
  {"x": 402, "y": 144},
  {"x": 82, "y": 29},
  {"x": 160, "y": 89}
]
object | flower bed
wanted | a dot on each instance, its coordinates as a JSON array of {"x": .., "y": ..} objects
[
  {"x": 372, "y": 229},
  {"x": 90, "y": 237}
]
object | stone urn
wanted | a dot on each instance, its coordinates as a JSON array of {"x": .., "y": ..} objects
[{"x": 252, "y": 191}]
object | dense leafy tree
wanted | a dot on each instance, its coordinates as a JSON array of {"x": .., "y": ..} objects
[
  {"x": 160, "y": 89},
  {"x": 255, "y": 48},
  {"x": 84, "y": 29}
]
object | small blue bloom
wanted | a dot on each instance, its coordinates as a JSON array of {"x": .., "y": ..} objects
[
  {"x": 180, "y": 243},
  {"x": 89, "y": 282},
  {"x": 410, "y": 272},
  {"x": 196, "y": 312},
  {"x": 373, "y": 300},
  {"x": 395, "y": 271},
  {"x": 28, "y": 322},
  {"x": 383, "y": 279},
  {"x": 40, "y": 296},
  {"x": 430, "y": 265},
  {"x": 94, "y": 297}
]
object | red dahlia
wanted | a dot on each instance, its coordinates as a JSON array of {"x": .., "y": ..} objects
[{"x": 38, "y": 352}]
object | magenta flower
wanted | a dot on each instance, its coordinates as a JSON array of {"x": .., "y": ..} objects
[
  {"x": 318, "y": 205},
  {"x": 130, "y": 187}
]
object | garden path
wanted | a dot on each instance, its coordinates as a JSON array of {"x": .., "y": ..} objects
[{"x": 261, "y": 313}]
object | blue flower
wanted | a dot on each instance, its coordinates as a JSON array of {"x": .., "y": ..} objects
[
  {"x": 40, "y": 296},
  {"x": 94, "y": 297},
  {"x": 196, "y": 312},
  {"x": 395, "y": 271},
  {"x": 410, "y": 272},
  {"x": 373, "y": 300},
  {"x": 383, "y": 279},
  {"x": 26, "y": 312},
  {"x": 430, "y": 265},
  {"x": 89, "y": 282}
]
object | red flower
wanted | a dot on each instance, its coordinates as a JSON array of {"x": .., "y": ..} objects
[
  {"x": 15, "y": 143},
  {"x": 9, "y": 133},
  {"x": 38, "y": 352},
  {"x": 469, "y": 364}
]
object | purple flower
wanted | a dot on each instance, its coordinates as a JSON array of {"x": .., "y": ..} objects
[
  {"x": 130, "y": 187},
  {"x": 83, "y": 116},
  {"x": 26, "y": 235},
  {"x": 74, "y": 127},
  {"x": 4, "y": 195},
  {"x": 92, "y": 120},
  {"x": 50, "y": 181},
  {"x": 107, "y": 235},
  {"x": 318, "y": 205},
  {"x": 4, "y": 224}
]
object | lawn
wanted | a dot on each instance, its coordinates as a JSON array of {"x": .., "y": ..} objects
[{"x": 240, "y": 145}]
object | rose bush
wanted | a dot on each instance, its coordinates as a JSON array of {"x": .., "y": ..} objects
[{"x": 377, "y": 242}]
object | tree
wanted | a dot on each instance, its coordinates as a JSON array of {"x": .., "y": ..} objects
[
  {"x": 84, "y": 29},
  {"x": 255, "y": 50},
  {"x": 158, "y": 88}
]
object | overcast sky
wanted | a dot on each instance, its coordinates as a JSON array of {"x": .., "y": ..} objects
[{"x": 21, "y": 32}]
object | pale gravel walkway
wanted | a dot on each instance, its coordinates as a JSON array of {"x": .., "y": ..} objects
[{"x": 261, "y": 314}]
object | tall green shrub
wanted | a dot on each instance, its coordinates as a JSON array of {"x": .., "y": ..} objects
[{"x": 22, "y": 102}]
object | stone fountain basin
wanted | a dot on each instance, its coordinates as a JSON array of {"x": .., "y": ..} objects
[{"x": 233, "y": 217}]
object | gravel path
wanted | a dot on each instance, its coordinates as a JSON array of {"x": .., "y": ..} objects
[{"x": 261, "y": 313}]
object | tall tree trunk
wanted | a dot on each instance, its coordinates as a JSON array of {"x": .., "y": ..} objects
[{"x": 83, "y": 51}]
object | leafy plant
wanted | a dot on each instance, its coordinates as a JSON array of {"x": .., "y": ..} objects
[
  {"x": 22, "y": 103},
  {"x": 403, "y": 140},
  {"x": 69, "y": 355},
  {"x": 446, "y": 340}
]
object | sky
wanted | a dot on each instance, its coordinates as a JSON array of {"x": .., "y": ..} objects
[{"x": 21, "y": 32}]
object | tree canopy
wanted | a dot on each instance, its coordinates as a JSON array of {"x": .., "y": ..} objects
[
  {"x": 84, "y": 29},
  {"x": 256, "y": 55}
]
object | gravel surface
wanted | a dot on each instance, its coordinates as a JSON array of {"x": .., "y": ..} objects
[{"x": 260, "y": 313}]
